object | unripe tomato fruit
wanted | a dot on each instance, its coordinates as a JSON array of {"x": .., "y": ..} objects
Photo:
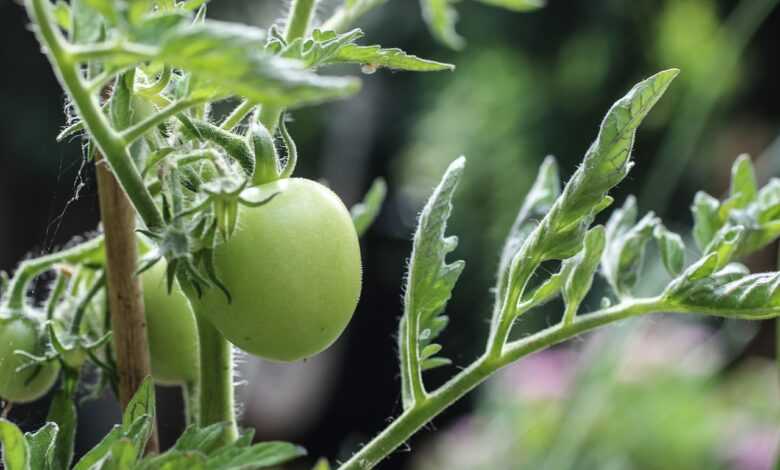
[
  {"x": 24, "y": 333},
  {"x": 293, "y": 271},
  {"x": 171, "y": 328}
]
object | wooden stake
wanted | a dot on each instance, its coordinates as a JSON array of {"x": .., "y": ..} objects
[{"x": 124, "y": 289}]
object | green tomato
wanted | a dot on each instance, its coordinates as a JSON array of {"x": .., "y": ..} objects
[
  {"x": 24, "y": 333},
  {"x": 171, "y": 328},
  {"x": 293, "y": 270}
]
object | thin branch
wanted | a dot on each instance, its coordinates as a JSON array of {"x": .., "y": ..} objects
[
  {"x": 113, "y": 49},
  {"x": 136, "y": 131}
]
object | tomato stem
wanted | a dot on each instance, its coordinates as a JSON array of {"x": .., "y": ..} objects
[
  {"x": 299, "y": 19},
  {"x": 66, "y": 68},
  {"x": 422, "y": 412},
  {"x": 216, "y": 379},
  {"x": 298, "y": 22},
  {"x": 346, "y": 15},
  {"x": 191, "y": 395},
  {"x": 28, "y": 269},
  {"x": 238, "y": 114}
]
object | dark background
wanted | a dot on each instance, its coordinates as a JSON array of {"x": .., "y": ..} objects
[{"x": 525, "y": 86}]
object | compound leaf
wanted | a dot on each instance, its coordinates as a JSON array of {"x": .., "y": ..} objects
[{"x": 231, "y": 59}]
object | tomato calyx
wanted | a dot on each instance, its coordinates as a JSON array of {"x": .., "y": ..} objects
[{"x": 189, "y": 236}]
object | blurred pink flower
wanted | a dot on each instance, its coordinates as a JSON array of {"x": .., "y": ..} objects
[
  {"x": 754, "y": 449},
  {"x": 544, "y": 375}
]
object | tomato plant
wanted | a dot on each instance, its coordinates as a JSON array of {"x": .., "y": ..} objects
[
  {"x": 271, "y": 263},
  {"x": 296, "y": 292}
]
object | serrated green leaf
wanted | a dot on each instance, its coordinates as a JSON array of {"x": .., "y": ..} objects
[
  {"x": 706, "y": 221},
  {"x": 672, "y": 249},
  {"x": 16, "y": 452},
  {"x": 42, "y": 444},
  {"x": 607, "y": 161},
  {"x": 579, "y": 277},
  {"x": 538, "y": 201},
  {"x": 62, "y": 411},
  {"x": 560, "y": 233},
  {"x": 395, "y": 59},
  {"x": 440, "y": 17},
  {"x": 515, "y": 5},
  {"x": 364, "y": 213},
  {"x": 262, "y": 455},
  {"x": 430, "y": 278},
  {"x": 230, "y": 59},
  {"x": 626, "y": 242}
]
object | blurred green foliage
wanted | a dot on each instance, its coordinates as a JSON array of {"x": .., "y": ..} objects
[{"x": 652, "y": 398}]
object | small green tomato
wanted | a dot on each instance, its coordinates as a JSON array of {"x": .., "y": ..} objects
[
  {"x": 23, "y": 332},
  {"x": 293, "y": 270},
  {"x": 171, "y": 328}
]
